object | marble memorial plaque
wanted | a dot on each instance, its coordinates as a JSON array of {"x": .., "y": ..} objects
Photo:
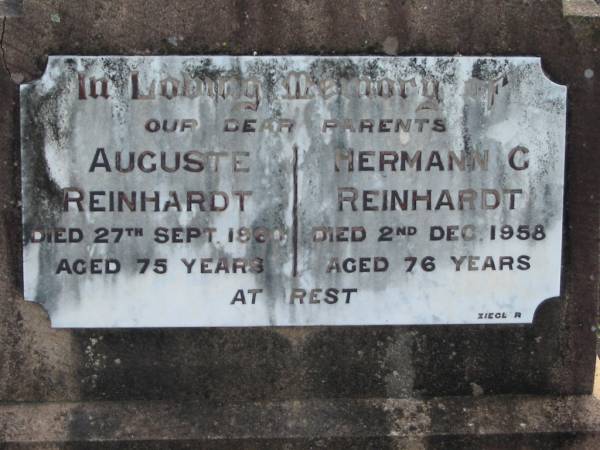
[{"x": 180, "y": 191}]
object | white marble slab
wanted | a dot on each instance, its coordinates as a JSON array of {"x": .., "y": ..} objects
[{"x": 364, "y": 190}]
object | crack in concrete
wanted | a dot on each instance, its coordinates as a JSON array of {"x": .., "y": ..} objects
[{"x": 3, "y": 50}]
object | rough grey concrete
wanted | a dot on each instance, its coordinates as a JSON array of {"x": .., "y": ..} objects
[
  {"x": 553, "y": 356},
  {"x": 11, "y": 7},
  {"x": 406, "y": 419}
]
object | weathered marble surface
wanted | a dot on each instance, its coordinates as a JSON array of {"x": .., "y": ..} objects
[{"x": 491, "y": 105}]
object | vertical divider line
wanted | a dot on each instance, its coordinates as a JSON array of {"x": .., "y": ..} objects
[{"x": 295, "y": 212}]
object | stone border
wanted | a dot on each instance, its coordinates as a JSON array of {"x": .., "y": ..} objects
[{"x": 302, "y": 419}]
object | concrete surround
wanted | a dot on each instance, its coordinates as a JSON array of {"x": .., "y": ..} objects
[{"x": 427, "y": 387}]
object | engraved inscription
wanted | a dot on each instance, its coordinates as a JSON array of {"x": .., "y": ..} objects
[{"x": 256, "y": 191}]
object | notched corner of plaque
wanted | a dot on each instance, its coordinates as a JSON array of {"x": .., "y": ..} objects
[
  {"x": 26, "y": 86},
  {"x": 31, "y": 294},
  {"x": 41, "y": 309},
  {"x": 546, "y": 76},
  {"x": 545, "y": 307},
  {"x": 44, "y": 75}
]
